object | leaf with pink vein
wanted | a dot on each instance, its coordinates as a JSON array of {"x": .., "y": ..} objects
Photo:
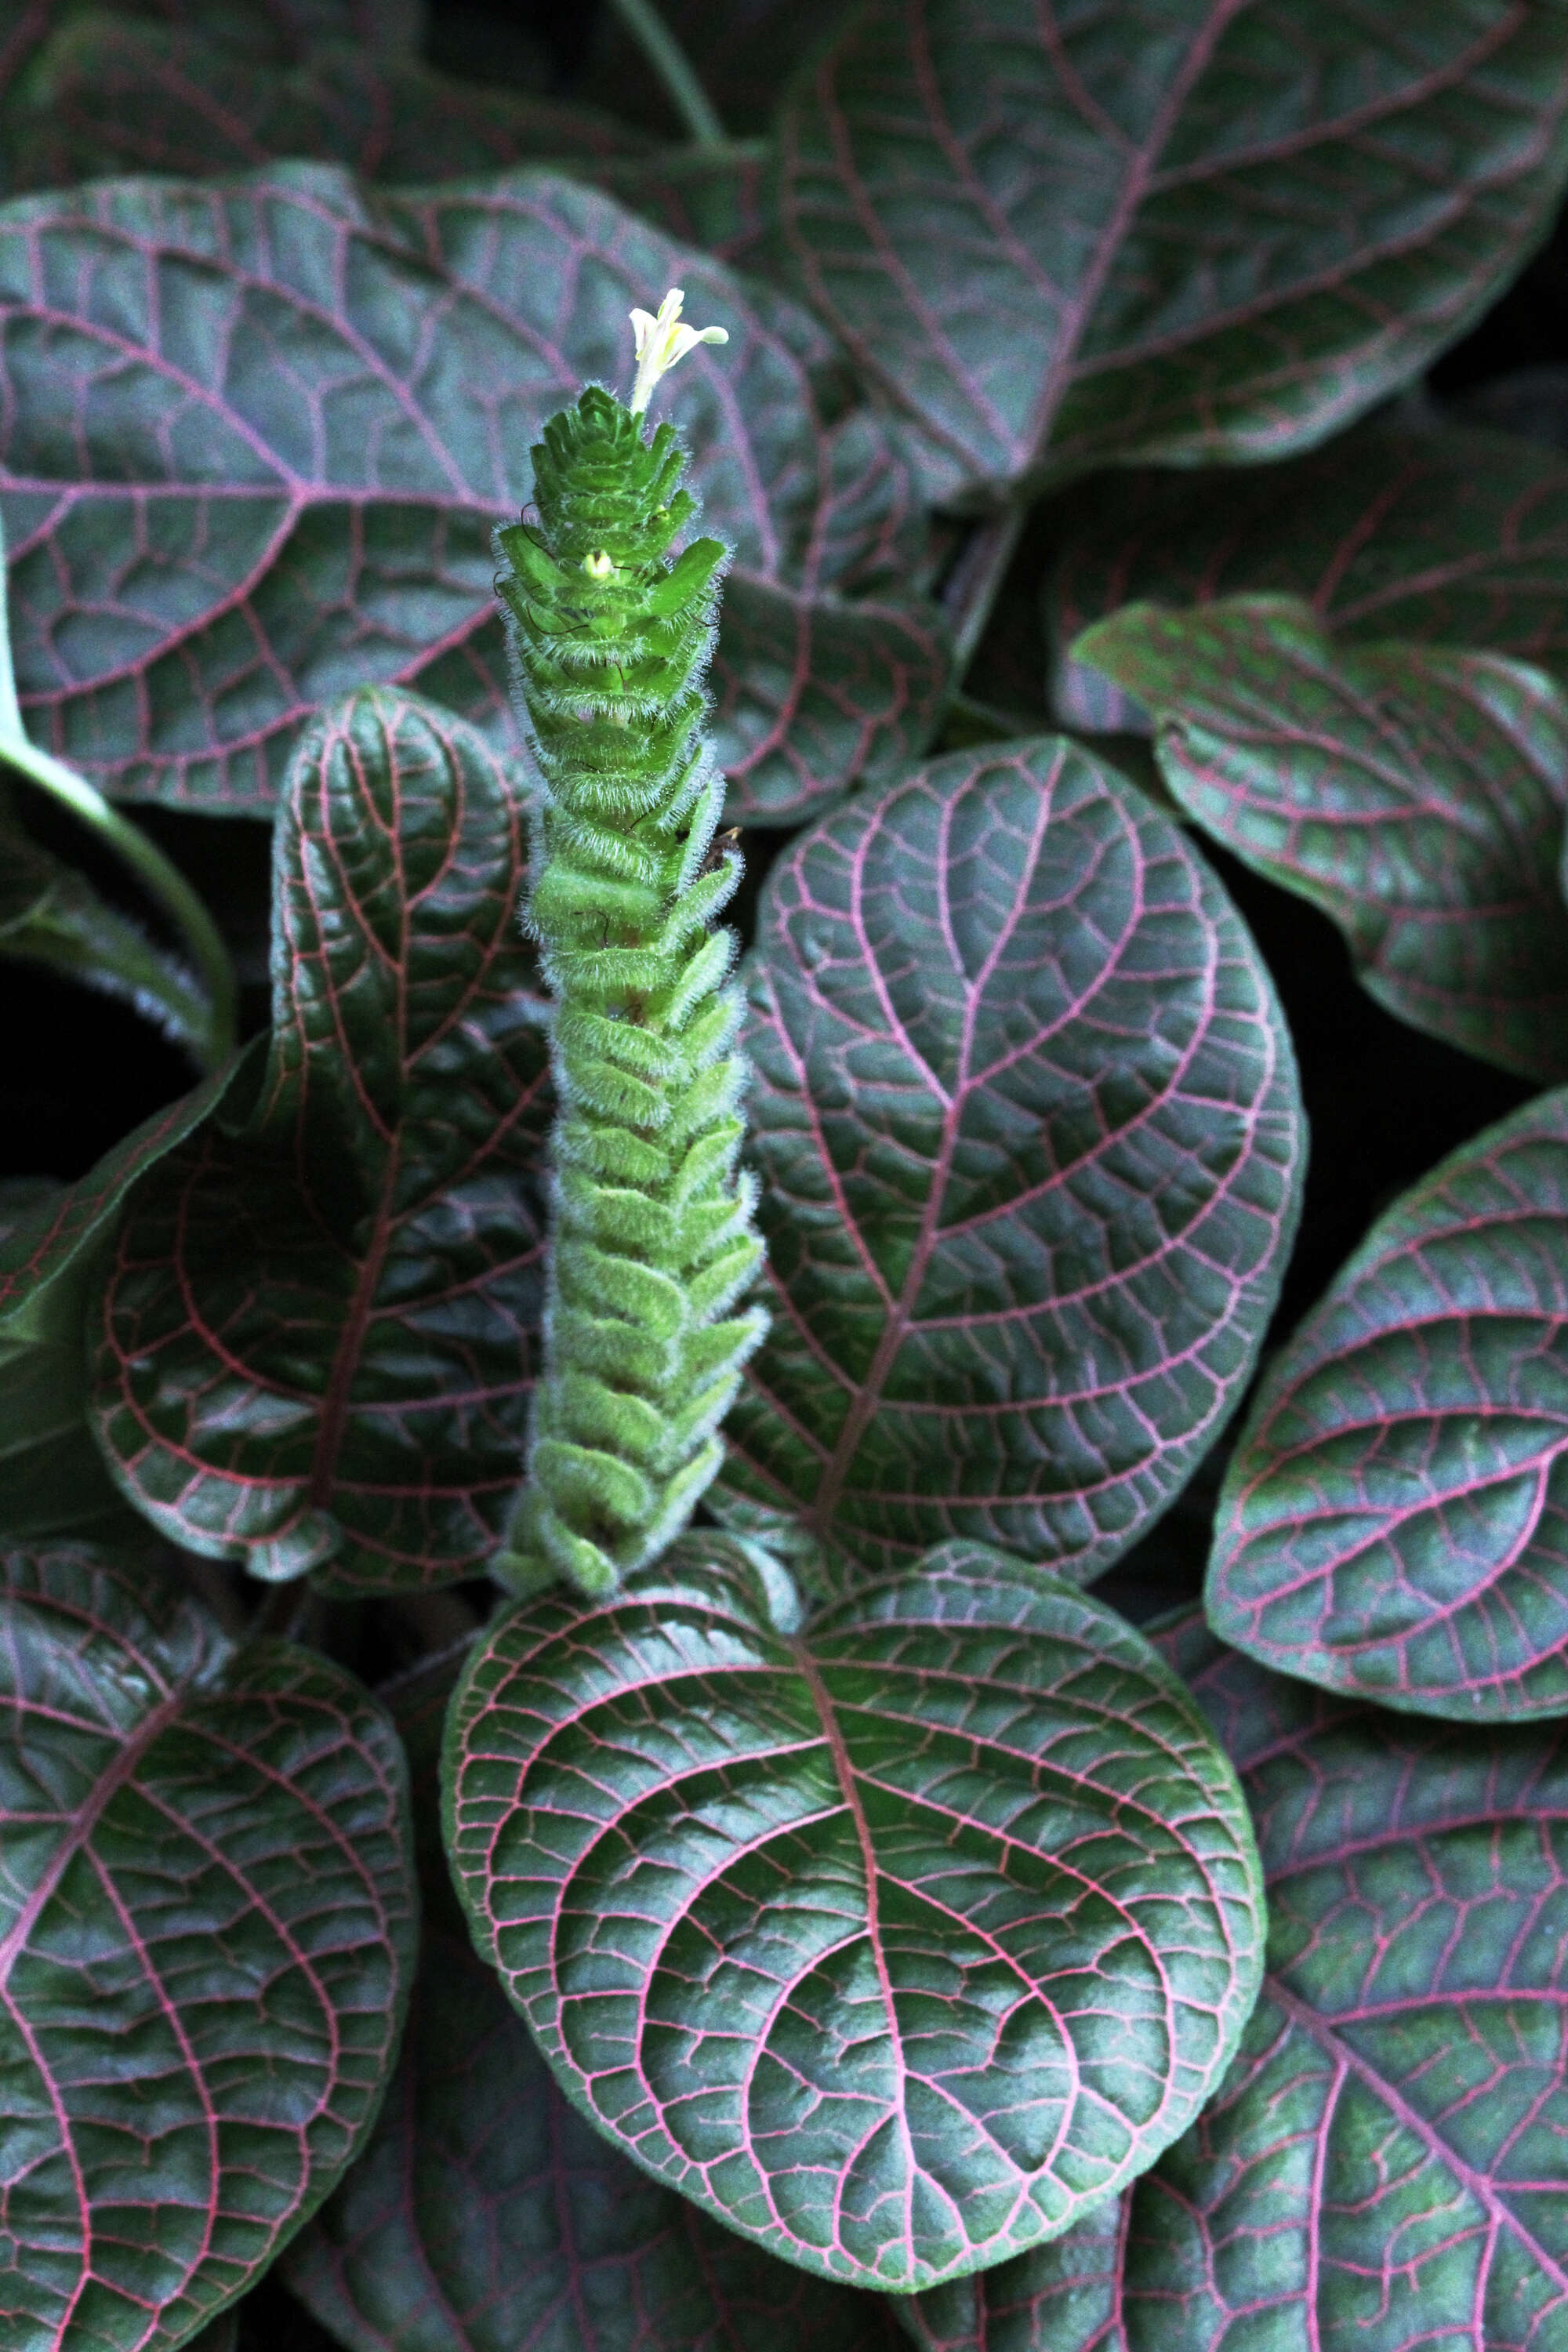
[
  {"x": 206, "y": 1935},
  {"x": 1190, "y": 230},
  {"x": 898, "y": 1943},
  {"x": 1026, "y": 1121},
  {"x": 316, "y": 1338}
]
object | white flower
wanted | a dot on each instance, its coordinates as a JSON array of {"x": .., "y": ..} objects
[{"x": 663, "y": 341}]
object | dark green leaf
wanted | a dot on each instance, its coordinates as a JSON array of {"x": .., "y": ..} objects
[
  {"x": 1195, "y": 232},
  {"x": 1395, "y": 1521},
  {"x": 1026, "y": 1121},
  {"x": 486, "y": 2216},
  {"x": 52, "y": 1477},
  {"x": 318, "y": 1332},
  {"x": 313, "y": 402},
  {"x": 207, "y": 1933},
  {"x": 1417, "y": 795},
  {"x": 895, "y": 1944},
  {"x": 51, "y": 915},
  {"x": 1459, "y": 538},
  {"x": 113, "y": 93},
  {"x": 708, "y": 197},
  {"x": 743, "y": 51},
  {"x": 1383, "y": 2169}
]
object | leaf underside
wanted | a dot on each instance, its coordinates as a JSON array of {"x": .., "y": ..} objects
[
  {"x": 207, "y": 1933},
  {"x": 896, "y": 1947},
  {"x": 1025, "y": 1115}
]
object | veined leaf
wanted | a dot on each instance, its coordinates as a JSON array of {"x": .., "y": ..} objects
[
  {"x": 114, "y": 93},
  {"x": 744, "y": 50},
  {"x": 318, "y": 1329},
  {"x": 1202, "y": 231},
  {"x": 326, "y": 521},
  {"x": 709, "y": 196},
  {"x": 53, "y": 1481},
  {"x": 1417, "y": 794},
  {"x": 1026, "y": 1121},
  {"x": 1383, "y": 2164},
  {"x": 486, "y": 2216},
  {"x": 897, "y": 1945},
  {"x": 206, "y": 1932},
  {"x": 1456, "y": 537},
  {"x": 1394, "y": 1520}
]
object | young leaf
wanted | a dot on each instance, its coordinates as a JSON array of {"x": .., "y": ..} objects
[
  {"x": 1025, "y": 1115},
  {"x": 1461, "y": 538},
  {"x": 1417, "y": 795},
  {"x": 53, "y": 1481},
  {"x": 1055, "y": 238},
  {"x": 895, "y": 1946},
  {"x": 330, "y": 520},
  {"x": 206, "y": 1931},
  {"x": 485, "y": 2215},
  {"x": 317, "y": 1333},
  {"x": 1383, "y": 2164},
  {"x": 1394, "y": 1520}
]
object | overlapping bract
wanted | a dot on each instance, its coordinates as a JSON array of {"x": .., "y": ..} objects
[
  {"x": 1417, "y": 794},
  {"x": 898, "y": 1944},
  {"x": 206, "y": 1935},
  {"x": 651, "y": 1239},
  {"x": 1059, "y": 235},
  {"x": 320, "y": 1325},
  {"x": 1394, "y": 1520},
  {"x": 1026, "y": 1119}
]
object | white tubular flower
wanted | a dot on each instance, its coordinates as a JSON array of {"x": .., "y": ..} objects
[{"x": 663, "y": 341}]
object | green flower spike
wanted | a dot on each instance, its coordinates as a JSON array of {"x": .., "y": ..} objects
[{"x": 652, "y": 1243}]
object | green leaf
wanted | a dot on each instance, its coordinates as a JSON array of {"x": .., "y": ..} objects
[
  {"x": 1026, "y": 1116},
  {"x": 1394, "y": 1520},
  {"x": 53, "y": 1481},
  {"x": 112, "y": 93},
  {"x": 327, "y": 521},
  {"x": 896, "y": 1946},
  {"x": 51, "y": 915},
  {"x": 207, "y": 1933},
  {"x": 709, "y": 196},
  {"x": 1383, "y": 2164},
  {"x": 486, "y": 2215},
  {"x": 318, "y": 1331},
  {"x": 1459, "y": 538},
  {"x": 1417, "y": 795},
  {"x": 1199, "y": 233}
]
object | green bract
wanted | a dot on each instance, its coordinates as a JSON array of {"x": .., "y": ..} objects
[{"x": 652, "y": 1239}]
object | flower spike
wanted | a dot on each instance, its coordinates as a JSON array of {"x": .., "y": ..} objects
[{"x": 661, "y": 342}]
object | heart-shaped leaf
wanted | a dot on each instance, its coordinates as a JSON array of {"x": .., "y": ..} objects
[
  {"x": 1384, "y": 2166},
  {"x": 52, "y": 1477},
  {"x": 1026, "y": 1121},
  {"x": 325, "y": 519},
  {"x": 1459, "y": 538},
  {"x": 1417, "y": 794},
  {"x": 112, "y": 93},
  {"x": 1056, "y": 236},
  {"x": 485, "y": 2215},
  {"x": 895, "y": 1945},
  {"x": 318, "y": 1330},
  {"x": 206, "y": 1932},
  {"x": 1394, "y": 1520}
]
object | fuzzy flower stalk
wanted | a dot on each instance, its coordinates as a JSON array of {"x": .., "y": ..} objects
[{"x": 651, "y": 1243}]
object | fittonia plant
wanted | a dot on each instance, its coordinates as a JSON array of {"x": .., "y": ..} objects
[
  {"x": 840, "y": 1927},
  {"x": 651, "y": 1235}
]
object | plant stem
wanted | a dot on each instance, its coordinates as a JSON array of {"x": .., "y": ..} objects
[
  {"x": 976, "y": 581},
  {"x": 159, "y": 877},
  {"x": 674, "y": 69}
]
